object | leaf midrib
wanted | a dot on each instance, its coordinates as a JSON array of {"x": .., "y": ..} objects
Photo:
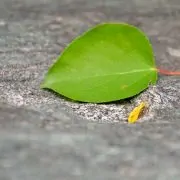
[
  {"x": 114, "y": 74},
  {"x": 48, "y": 82}
]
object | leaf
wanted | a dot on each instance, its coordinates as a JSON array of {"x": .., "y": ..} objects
[
  {"x": 109, "y": 62},
  {"x": 136, "y": 113}
]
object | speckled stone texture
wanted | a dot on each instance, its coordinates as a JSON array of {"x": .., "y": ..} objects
[{"x": 44, "y": 136}]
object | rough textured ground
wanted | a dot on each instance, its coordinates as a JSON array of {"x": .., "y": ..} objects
[{"x": 43, "y": 136}]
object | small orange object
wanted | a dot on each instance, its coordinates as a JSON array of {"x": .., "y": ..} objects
[{"x": 136, "y": 113}]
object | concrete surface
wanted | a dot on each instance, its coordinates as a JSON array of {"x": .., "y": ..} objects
[{"x": 44, "y": 136}]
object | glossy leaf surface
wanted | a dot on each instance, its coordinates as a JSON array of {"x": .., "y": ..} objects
[{"x": 109, "y": 62}]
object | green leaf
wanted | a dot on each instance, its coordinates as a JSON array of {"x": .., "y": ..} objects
[{"x": 109, "y": 62}]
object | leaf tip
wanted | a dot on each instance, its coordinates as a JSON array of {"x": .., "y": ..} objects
[{"x": 43, "y": 85}]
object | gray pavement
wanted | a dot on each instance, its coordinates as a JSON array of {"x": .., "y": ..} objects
[{"x": 45, "y": 136}]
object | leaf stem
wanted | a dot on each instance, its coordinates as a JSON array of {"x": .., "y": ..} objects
[{"x": 170, "y": 73}]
